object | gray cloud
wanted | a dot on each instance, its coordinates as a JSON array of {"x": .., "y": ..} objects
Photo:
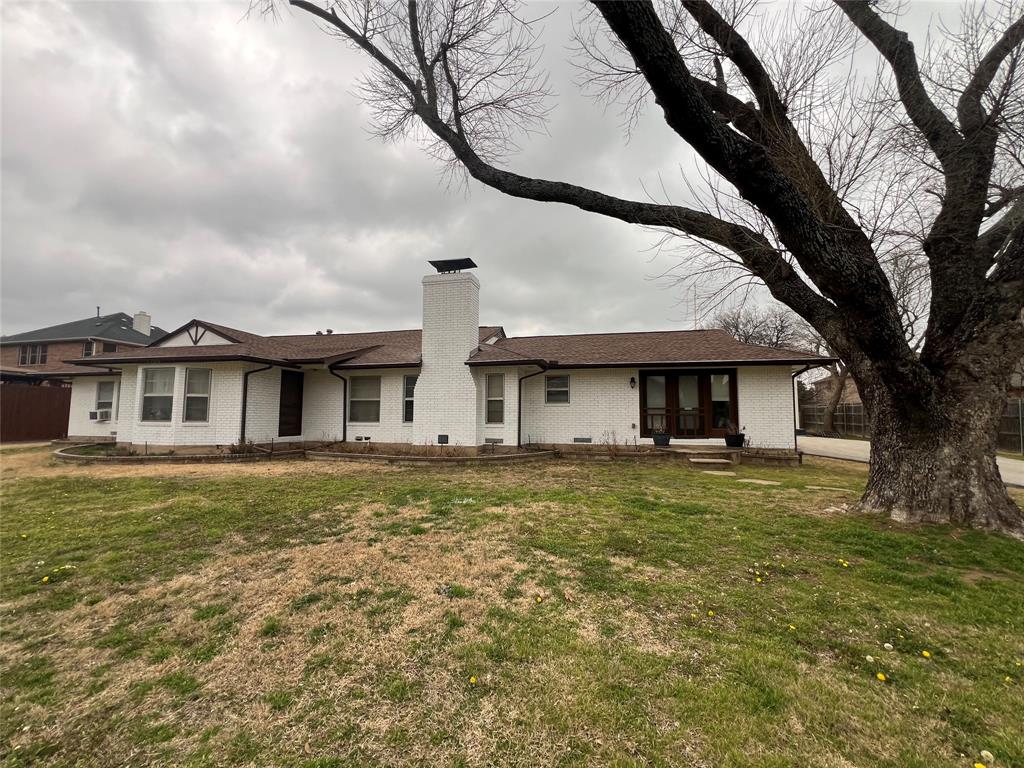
[{"x": 177, "y": 158}]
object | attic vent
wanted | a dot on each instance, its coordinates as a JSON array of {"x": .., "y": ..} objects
[{"x": 583, "y": 439}]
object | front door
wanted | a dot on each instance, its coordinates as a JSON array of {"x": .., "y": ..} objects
[
  {"x": 685, "y": 404},
  {"x": 289, "y": 420}
]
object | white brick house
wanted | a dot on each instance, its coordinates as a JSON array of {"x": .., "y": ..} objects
[{"x": 454, "y": 382}]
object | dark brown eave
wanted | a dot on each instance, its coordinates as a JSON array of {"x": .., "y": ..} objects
[
  {"x": 370, "y": 366},
  {"x": 554, "y": 364},
  {"x": 115, "y": 362}
]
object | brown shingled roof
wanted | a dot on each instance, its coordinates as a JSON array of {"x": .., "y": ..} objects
[
  {"x": 382, "y": 349},
  {"x": 639, "y": 348}
]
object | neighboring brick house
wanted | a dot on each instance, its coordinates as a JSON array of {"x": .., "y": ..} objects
[
  {"x": 453, "y": 382},
  {"x": 40, "y": 354}
]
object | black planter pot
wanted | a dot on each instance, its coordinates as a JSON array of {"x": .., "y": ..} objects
[
  {"x": 660, "y": 439},
  {"x": 736, "y": 440}
]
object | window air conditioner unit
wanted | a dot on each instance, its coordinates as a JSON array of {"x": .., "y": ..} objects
[{"x": 103, "y": 415}]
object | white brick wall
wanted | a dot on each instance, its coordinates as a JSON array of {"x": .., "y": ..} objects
[
  {"x": 390, "y": 428},
  {"x": 83, "y": 400},
  {"x": 506, "y": 431},
  {"x": 603, "y": 407},
  {"x": 224, "y": 409},
  {"x": 765, "y": 395},
  {"x": 446, "y": 393}
]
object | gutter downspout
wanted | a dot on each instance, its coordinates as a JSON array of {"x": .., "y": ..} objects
[
  {"x": 344, "y": 403},
  {"x": 793, "y": 376},
  {"x": 245, "y": 399},
  {"x": 519, "y": 406}
]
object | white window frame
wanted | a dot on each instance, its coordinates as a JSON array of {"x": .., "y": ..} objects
[
  {"x": 113, "y": 396},
  {"x": 89, "y": 348},
  {"x": 351, "y": 390},
  {"x": 143, "y": 395},
  {"x": 548, "y": 389},
  {"x": 488, "y": 398},
  {"x": 185, "y": 397},
  {"x": 407, "y": 398},
  {"x": 33, "y": 354}
]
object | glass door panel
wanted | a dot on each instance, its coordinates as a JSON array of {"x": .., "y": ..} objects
[
  {"x": 656, "y": 414},
  {"x": 721, "y": 402},
  {"x": 690, "y": 418}
]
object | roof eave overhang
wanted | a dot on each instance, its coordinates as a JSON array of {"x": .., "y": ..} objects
[
  {"x": 93, "y": 362},
  {"x": 507, "y": 363},
  {"x": 368, "y": 366},
  {"x": 694, "y": 363}
]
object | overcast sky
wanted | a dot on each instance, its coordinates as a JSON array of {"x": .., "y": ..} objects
[{"x": 178, "y": 158}]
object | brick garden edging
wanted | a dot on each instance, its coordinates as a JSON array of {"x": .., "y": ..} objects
[
  {"x": 196, "y": 458},
  {"x": 379, "y": 458}
]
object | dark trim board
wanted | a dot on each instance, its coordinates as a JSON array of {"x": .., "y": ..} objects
[{"x": 704, "y": 427}]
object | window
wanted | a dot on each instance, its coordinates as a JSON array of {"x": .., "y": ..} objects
[
  {"x": 88, "y": 348},
  {"x": 495, "y": 398},
  {"x": 105, "y": 396},
  {"x": 32, "y": 354},
  {"x": 364, "y": 400},
  {"x": 556, "y": 389},
  {"x": 197, "y": 394},
  {"x": 407, "y": 397},
  {"x": 157, "y": 394},
  {"x": 109, "y": 347}
]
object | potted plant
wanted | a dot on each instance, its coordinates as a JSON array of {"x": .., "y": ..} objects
[
  {"x": 660, "y": 439},
  {"x": 734, "y": 438}
]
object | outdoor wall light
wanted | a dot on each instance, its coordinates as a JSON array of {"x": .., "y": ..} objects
[{"x": 632, "y": 382}]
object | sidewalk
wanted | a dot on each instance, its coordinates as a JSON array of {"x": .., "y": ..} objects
[{"x": 1012, "y": 470}]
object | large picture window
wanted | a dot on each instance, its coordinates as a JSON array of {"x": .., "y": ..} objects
[
  {"x": 157, "y": 394},
  {"x": 364, "y": 399},
  {"x": 408, "y": 391},
  {"x": 556, "y": 389},
  {"x": 197, "y": 394},
  {"x": 495, "y": 398}
]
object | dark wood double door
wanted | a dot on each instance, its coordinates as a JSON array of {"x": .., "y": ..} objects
[{"x": 688, "y": 403}]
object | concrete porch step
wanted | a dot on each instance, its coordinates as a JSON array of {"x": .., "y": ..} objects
[{"x": 703, "y": 461}]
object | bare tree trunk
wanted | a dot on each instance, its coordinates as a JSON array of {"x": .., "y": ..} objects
[
  {"x": 829, "y": 416},
  {"x": 939, "y": 464}
]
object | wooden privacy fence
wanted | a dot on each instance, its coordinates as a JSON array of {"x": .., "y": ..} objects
[
  {"x": 850, "y": 421},
  {"x": 33, "y": 413}
]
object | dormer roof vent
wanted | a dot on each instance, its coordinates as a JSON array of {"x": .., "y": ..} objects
[{"x": 444, "y": 266}]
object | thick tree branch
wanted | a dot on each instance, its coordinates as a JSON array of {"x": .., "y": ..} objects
[
  {"x": 895, "y": 46},
  {"x": 970, "y": 111}
]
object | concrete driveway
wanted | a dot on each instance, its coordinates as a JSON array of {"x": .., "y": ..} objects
[{"x": 1012, "y": 470}]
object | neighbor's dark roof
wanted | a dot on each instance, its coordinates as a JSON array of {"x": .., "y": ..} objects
[
  {"x": 381, "y": 349},
  {"x": 115, "y": 327},
  {"x": 639, "y": 348}
]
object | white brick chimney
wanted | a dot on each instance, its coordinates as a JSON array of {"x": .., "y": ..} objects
[
  {"x": 446, "y": 398},
  {"x": 142, "y": 322}
]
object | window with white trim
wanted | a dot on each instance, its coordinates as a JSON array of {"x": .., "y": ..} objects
[
  {"x": 88, "y": 348},
  {"x": 364, "y": 399},
  {"x": 197, "y": 394},
  {"x": 157, "y": 394},
  {"x": 495, "y": 398},
  {"x": 556, "y": 389},
  {"x": 408, "y": 391},
  {"x": 104, "y": 396},
  {"x": 32, "y": 354}
]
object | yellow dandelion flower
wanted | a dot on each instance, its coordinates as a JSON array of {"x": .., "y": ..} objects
[
  {"x": 539, "y": 598},
  {"x": 711, "y": 613},
  {"x": 1007, "y": 679},
  {"x": 881, "y": 677},
  {"x": 791, "y": 626},
  {"x": 45, "y": 579},
  {"x": 758, "y": 580},
  {"x": 926, "y": 654},
  {"x": 472, "y": 679},
  {"x": 979, "y": 765}
]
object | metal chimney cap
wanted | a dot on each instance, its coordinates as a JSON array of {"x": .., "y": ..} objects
[{"x": 452, "y": 265}]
